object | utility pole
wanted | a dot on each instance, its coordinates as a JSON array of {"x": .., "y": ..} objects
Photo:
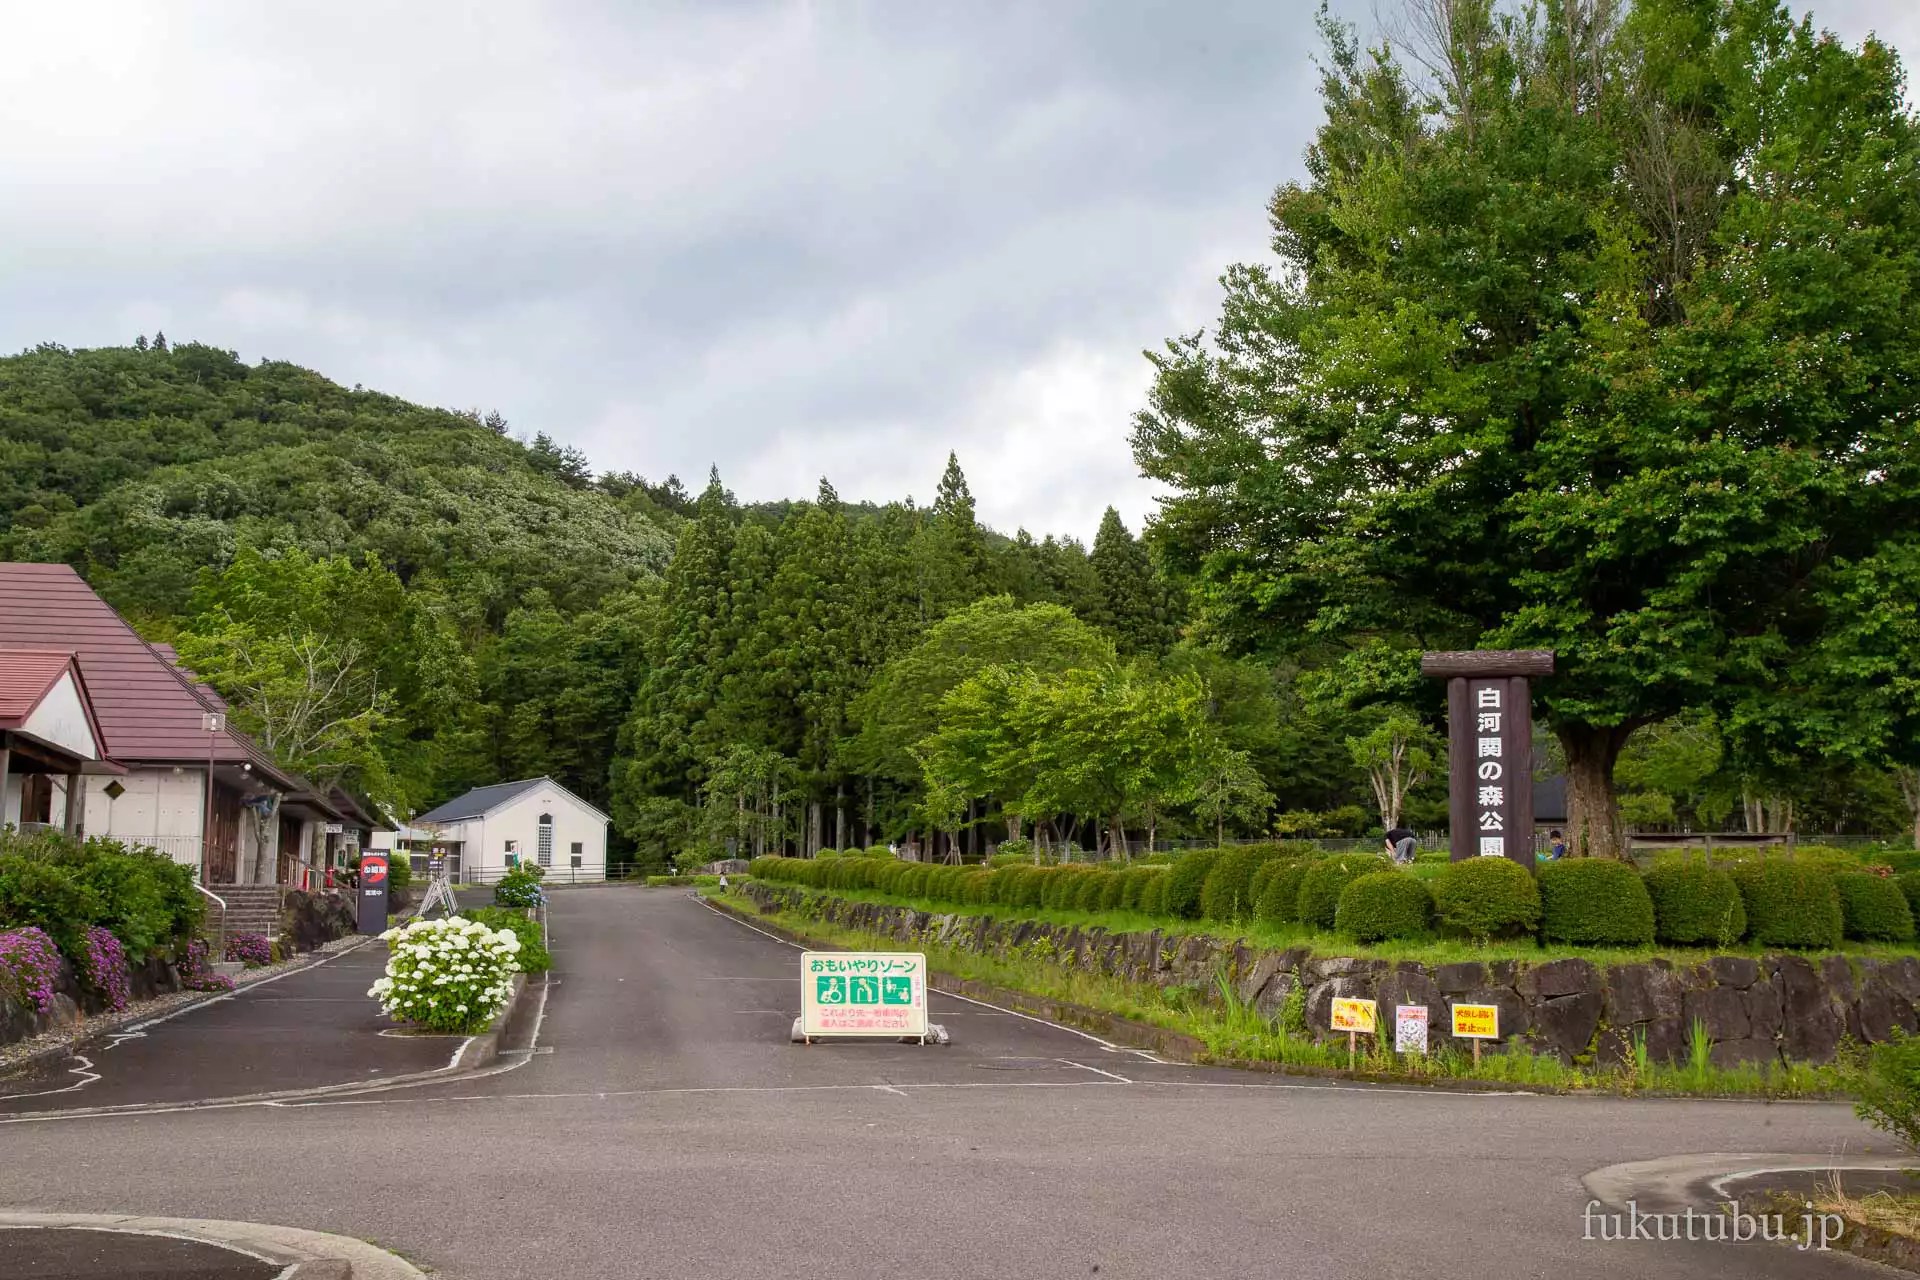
[{"x": 213, "y": 722}]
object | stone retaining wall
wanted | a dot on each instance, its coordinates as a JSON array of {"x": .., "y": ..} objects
[{"x": 1777, "y": 1008}]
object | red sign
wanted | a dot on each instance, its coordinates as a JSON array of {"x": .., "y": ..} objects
[{"x": 373, "y": 869}]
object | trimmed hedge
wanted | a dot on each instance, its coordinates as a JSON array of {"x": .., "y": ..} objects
[
  {"x": 1383, "y": 905},
  {"x": 1873, "y": 908},
  {"x": 1280, "y": 901},
  {"x": 1790, "y": 904},
  {"x": 1594, "y": 902},
  {"x": 1326, "y": 880},
  {"x": 1695, "y": 904},
  {"x": 1153, "y": 897},
  {"x": 1227, "y": 893},
  {"x": 1186, "y": 881},
  {"x": 1134, "y": 885},
  {"x": 1486, "y": 898},
  {"x": 1909, "y": 882},
  {"x": 1263, "y": 876}
]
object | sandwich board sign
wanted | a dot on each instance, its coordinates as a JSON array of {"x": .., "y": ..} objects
[{"x": 863, "y": 993}]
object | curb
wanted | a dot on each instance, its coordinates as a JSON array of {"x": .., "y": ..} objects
[
  {"x": 307, "y": 1255},
  {"x": 481, "y": 1050}
]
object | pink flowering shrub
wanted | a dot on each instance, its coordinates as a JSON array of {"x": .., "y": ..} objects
[
  {"x": 252, "y": 949},
  {"x": 196, "y": 971},
  {"x": 29, "y": 966},
  {"x": 103, "y": 963}
]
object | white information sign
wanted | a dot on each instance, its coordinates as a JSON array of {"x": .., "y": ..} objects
[
  {"x": 1410, "y": 1028},
  {"x": 863, "y": 993}
]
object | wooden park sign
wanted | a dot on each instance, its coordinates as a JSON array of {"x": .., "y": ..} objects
[{"x": 1490, "y": 748}]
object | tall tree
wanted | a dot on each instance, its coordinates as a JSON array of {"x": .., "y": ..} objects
[
  {"x": 1133, "y": 599},
  {"x": 1598, "y": 341}
]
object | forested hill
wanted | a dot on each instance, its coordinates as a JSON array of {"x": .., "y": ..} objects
[
  {"x": 480, "y": 608},
  {"x": 141, "y": 465}
]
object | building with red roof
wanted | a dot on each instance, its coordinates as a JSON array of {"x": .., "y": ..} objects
[{"x": 181, "y": 779}]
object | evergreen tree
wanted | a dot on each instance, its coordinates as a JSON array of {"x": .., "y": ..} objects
[{"x": 1133, "y": 603}]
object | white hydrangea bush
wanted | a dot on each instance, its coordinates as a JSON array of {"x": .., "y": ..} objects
[{"x": 450, "y": 974}]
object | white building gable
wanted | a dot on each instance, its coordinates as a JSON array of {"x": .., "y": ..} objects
[{"x": 61, "y": 719}]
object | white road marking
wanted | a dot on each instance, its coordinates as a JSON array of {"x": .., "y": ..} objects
[{"x": 84, "y": 1069}]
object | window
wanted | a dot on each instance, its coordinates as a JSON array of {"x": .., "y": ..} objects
[
  {"x": 546, "y": 839},
  {"x": 576, "y": 851},
  {"x": 576, "y": 862}
]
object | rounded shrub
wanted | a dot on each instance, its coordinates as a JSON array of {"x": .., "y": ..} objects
[
  {"x": 1085, "y": 895},
  {"x": 1153, "y": 894},
  {"x": 1262, "y": 876},
  {"x": 1594, "y": 902},
  {"x": 1279, "y": 902},
  {"x": 1227, "y": 892},
  {"x": 1909, "y": 882},
  {"x": 1695, "y": 904},
  {"x": 1790, "y": 904},
  {"x": 1486, "y": 898},
  {"x": 1113, "y": 888},
  {"x": 1133, "y": 887},
  {"x": 1873, "y": 909},
  {"x": 1031, "y": 887},
  {"x": 1186, "y": 880},
  {"x": 1326, "y": 880},
  {"x": 1382, "y": 905}
]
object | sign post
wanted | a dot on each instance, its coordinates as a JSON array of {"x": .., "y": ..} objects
[
  {"x": 1354, "y": 1017},
  {"x": 864, "y": 993},
  {"x": 373, "y": 893},
  {"x": 1490, "y": 749}
]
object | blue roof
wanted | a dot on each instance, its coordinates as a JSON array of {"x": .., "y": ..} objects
[{"x": 479, "y": 800}]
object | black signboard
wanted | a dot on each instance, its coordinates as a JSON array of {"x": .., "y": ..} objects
[
  {"x": 1490, "y": 749},
  {"x": 373, "y": 893}
]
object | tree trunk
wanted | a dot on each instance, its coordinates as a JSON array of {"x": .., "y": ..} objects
[
  {"x": 1909, "y": 779},
  {"x": 1593, "y": 808},
  {"x": 840, "y": 815}
]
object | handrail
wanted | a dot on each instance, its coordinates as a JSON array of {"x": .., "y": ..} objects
[{"x": 220, "y": 942}]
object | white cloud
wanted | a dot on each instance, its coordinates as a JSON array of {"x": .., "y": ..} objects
[{"x": 783, "y": 237}]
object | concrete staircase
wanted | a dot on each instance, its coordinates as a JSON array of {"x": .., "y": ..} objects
[{"x": 251, "y": 908}]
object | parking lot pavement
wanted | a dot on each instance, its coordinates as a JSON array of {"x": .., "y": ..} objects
[{"x": 310, "y": 1027}]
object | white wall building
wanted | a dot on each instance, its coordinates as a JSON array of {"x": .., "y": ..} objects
[{"x": 491, "y": 829}]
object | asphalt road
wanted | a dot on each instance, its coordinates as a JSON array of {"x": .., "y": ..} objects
[
  {"x": 306, "y": 1028},
  {"x": 673, "y": 1131}
]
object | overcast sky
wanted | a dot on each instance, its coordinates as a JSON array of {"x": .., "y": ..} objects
[{"x": 792, "y": 239}]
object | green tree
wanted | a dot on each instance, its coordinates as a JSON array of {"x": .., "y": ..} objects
[
  {"x": 1599, "y": 343},
  {"x": 1397, "y": 753},
  {"x": 1133, "y": 602}
]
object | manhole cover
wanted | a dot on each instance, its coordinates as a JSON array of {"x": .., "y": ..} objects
[{"x": 1017, "y": 1064}]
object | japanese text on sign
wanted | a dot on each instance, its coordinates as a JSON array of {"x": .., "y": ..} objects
[
  {"x": 863, "y": 993},
  {"x": 1491, "y": 796},
  {"x": 1476, "y": 1021},
  {"x": 1410, "y": 1028},
  {"x": 1353, "y": 1015}
]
